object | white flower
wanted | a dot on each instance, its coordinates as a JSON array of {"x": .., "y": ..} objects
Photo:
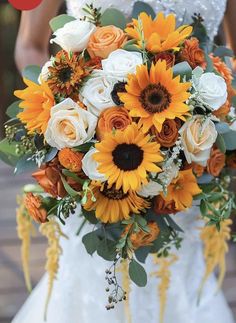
[
  {"x": 74, "y": 35},
  {"x": 96, "y": 93},
  {"x": 44, "y": 75},
  {"x": 212, "y": 90},
  {"x": 120, "y": 63},
  {"x": 89, "y": 166},
  {"x": 150, "y": 189},
  {"x": 69, "y": 125},
  {"x": 198, "y": 136},
  {"x": 232, "y": 114}
]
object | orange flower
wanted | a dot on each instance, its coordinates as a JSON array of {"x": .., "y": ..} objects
[
  {"x": 37, "y": 103},
  {"x": 231, "y": 160},
  {"x": 198, "y": 170},
  {"x": 159, "y": 34},
  {"x": 34, "y": 207},
  {"x": 223, "y": 111},
  {"x": 112, "y": 118},
  {"x": 70, "y": 159},
  {"x": 165, "y": 56},
  {"x": 49, "y": 178},
  {"x": 163, "y": 207},
  {"x": 105, "y": 40},
  {"x": 182, "y": 189},
  {"x": 193, "y": 54},
  {"x": 169, "y": 132},
  {"x": 216, "y": 162},
  {"x": 222, "y": 68},
  {"x": 141, "y": 238}
]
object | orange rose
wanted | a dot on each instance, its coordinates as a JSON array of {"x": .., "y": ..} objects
[
  {"x": 141, "y": 238},
  {"x": 49, "y": 178},
  {"x": 167, "y": 56},
  {"x": 163, "y": 207},
  {"x": 105, "y": 40},
  {"x": 193, "y": 54},
  {"x": 231, "y": 160},
  {"x": 216, "y": 162},
  {"x": 198, "y": 169},
  {"x": 112, "y": 118},
  {"x": 34, "y": 207},
  {"x": 223, "y": 111},
  {"x": 169, "y": 132},
  {"x": 70, "y": 159}
]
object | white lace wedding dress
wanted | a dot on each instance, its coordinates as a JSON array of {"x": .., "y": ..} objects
[{"x": 79, "y": 293}]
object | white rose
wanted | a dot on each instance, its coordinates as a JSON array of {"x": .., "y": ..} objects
[
  {"x": 96, "y": 93},
  {"x": 150, "y": 189},
  {"x": 89, "y": 166},
  {"x": 69, "y": 125},
  {"x": 44, "y": 75},
  {"x": 120, "y": 63},
  {"x": 198, "y": 136},
  {"x": 74, "y": 35},
  {"x": 212, "y": 90}
]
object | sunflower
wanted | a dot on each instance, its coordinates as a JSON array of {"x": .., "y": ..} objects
[
  {"x": 111, "y": 204},
  {"x": 159, "y": 34},
  {"x": 66, "y": 74},
  {"x": 182, "y": 189},
  {"x": 156, "y": 95},
  {"x": 126, "y": 156},
  {"x": 37, "y": 103}
]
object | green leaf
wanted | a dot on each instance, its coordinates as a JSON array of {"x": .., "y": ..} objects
[
  {"x": 25, "y": 164},
  {"x": 220, "y": 143},
  {"x": 8, "y": 148},
  {"x": 90, "y": 216},
  {"x": 13, "y": 109},
  {"x": 8, "y": 159},
  {"x": 60, "y": 21},
  {"x": 113, "y": 17},
  {"x": 173, "y": 224},
  {"x": 68, "y": 188},
  {"x": 84, "y": 148},
  {"x": 137, "y": 273},
  {"x": 223, "y": 51},
  {"x": 107, "y": 249},
  {"x": 142, "y": 253},
  {"x": 67, "y": 173},
  {"x": 210, "y": 66},
  {"x": 90, "y": 242},
  {"x": 132, "y": 48},
  {"x": 139, "y": 7},
  {"x": 222, "y": 127},
  {"x": 31, "y": 72},
  {"x": 183, "y": 69},
  {"x": 230, "y": 140},
  {"x": 50, "y": 155},
  {"x": 203, "y": 208}
]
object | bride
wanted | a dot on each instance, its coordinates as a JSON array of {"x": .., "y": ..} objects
[{"x": 79, "y": 294}]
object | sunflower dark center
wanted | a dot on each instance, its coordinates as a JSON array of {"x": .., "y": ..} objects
[
  {"x": 155, "y": 98},
  {"x": 127, "y": 156},
  {"x": 64, "y": 74},
  {"x": 114, "y": 194},
  {"x": 118, "y": 88}
]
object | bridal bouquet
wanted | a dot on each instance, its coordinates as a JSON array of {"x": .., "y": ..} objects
[{"x": 132, "y": 121}]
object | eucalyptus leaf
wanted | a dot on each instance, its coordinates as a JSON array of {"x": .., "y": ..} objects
[
  {"x": 13, "y": 109},
  {"x": 50, "y": 154},
  {"x": 173, "y": 224},
  {"x": 223, "y": 51},
  {"x": 69, "y": 189},
  {"x": 210, "y": 66},
  {"x": 142, "y": 253},
  {"x": 76, "y": 178},
  {"x": 107, "y": 249},
  {"x": 230, "y": 140},
  {"x": 90, "y": 242},
  {"x": 90, "y": 216},
  {"x": 137, "y": 273},
  {"x": 113, "y": 17},
  {"x": 132, "y": 48},
  {"x": 60, "y": 21},
  {"x": 220, "y": 143},
  {"x": 140, "y": 7},
  {"x": 25, "y": 164},
  {"x": 183, "y": 69},
  {"x": 222, "y": 127},
  {"x": 8, "y": 148},
  {"x": 84, "y": 148},
  {"x": 31, "y": 72}
]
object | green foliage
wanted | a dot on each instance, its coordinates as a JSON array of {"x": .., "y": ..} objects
[
  {"x": 137, "y": 273},
  {"x": 59, "y": 21},
  {"x": 32, "y": 73},
  {"x": 90, "y": 216},
  {"x": 91, "y": 242},
  {"x": 13, "y": 109},
  {"x": 8, "y": 152},
  {"x": 223, "y": 51},
  {"x": 25, "y": 164},
  {"x": 84, "y": 148},
  {"x": 183, "y": 69},
  {"x": 220, "y": 143},
  {"x": 69, "y": 189},
  {"x": 141, "y": 6},
  {"x": 230, "y": 140},
  {"x": 113, "y": 17}
]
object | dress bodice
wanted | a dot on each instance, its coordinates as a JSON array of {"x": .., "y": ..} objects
[{"x": 212, "y": 11}]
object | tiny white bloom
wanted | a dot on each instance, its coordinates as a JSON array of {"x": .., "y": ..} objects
[
  {"x": 150, "y": 189},
  {"x": 232, "y": 114},
  {"x": 69, "y": 125},
  {"x": 44, "y": 75},
  {"x": 120, "y": 63},
  {"x": 74, "y": 35},
  {"x": 89, "y": 166}
]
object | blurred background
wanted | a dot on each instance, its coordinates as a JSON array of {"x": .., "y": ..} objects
[{"x": 12, "y": 288}]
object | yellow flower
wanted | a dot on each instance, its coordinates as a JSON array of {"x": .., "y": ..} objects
[
  {"x": 37, "y": 103},
  {"x": 182, "y": 189},
  {"x": 126, "y": 156},
  {"x": 111, "y": 204},
  {"x": 159, "y": 34},
  {"x": 155, "y": 96}
]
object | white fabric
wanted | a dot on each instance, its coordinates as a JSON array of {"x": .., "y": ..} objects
[{"x": 79, "y": 293}]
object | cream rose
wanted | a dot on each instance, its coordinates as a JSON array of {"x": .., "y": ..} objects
[
  {"x": 120, "y": 63},
  {"x": 212, "y": 90},
  {"x": 69, "y": 125},
  {"x": 96, "y": 93},
  {"x": 150, "y": 189},
  {"x": 89, "y": 166},
  {"x": 74, "y": 36},
  {"x": 198, "y": 136}
]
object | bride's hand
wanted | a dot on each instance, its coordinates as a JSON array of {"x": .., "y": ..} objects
[{"x": 34, "y": 32}]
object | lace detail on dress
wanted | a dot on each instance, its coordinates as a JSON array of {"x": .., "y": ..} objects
[{"x": 212, "y": 11}]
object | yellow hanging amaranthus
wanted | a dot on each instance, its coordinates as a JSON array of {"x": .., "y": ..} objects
[
  {"x": 215, "y": 249},
  {"x": 164, "y": 274},
  {"x": 53, "y": 233},
  {"x": 24, "y": 229}
]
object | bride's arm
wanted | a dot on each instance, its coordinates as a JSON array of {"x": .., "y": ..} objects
[
  {"x": 34, "y": 32},
  {"x": 230, "y": 24}
]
